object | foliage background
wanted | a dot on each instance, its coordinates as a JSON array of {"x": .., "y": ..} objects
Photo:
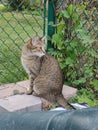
[{"x": 76, "y": 47}]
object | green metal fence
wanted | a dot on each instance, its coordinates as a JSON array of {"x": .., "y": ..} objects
[
  {"x": 22, "y": 20},
  {"x": 18, "y": 22}
]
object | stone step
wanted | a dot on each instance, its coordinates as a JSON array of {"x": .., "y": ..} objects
[{"x": 22, "y": 102}]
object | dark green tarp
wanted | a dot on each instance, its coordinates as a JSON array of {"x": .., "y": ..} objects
[{"x": 85, "y": 119}]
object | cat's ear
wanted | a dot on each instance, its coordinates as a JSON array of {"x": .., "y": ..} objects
[
  {"x": 42, "y": 38},
  {"x": 34, "y": 40}
]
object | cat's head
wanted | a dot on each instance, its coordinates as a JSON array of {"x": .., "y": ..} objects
[{"x": 35, "y": 47}]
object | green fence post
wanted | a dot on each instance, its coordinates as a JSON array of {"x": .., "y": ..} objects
[
  {"x": 44, "y": 31},
  {"x": 51, "y": 18}
]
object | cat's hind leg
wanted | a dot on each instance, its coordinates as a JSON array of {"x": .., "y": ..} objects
[
  {"x": 46, "y": 105},
  {"x": 36, "y": 93}
]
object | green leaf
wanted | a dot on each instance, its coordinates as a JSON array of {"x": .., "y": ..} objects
[
  {"x": 73, "y": 43},
  {"x": 61, "y": 26},
  {"x": 79, "y": 81},
  {"x": 70, "y": 9},
  {"x": 63, "y": 65},
  {"x": 52, "y": 52},
  {"x": 82, "y": 7},
  {"x": 69, "y": 50},
  {"x": 95, "y": 83},
  {"x": 57, "y": 40},
  {"x": 65, "y": 14},
  {"x": 92, "y": 52},
  {"x": 88, "y": 72},
  {"x": 75, "y": 16},
  {"x": 69, "y": 61}
]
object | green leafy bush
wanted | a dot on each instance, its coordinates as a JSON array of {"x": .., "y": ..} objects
[
  {"x": 74, "y": 47},
  {"x": 18, "y": 4},
  {"x": 36, "y": 4}
]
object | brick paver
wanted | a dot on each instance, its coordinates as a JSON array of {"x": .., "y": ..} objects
[{"x": 20, "y": 103}]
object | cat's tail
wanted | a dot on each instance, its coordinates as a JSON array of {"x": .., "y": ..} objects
[{"x": 62, "y": 102}]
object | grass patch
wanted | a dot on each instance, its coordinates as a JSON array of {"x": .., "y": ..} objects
[
  {"x": 85, "y": 96},
  {"x": 15, "y": 29}
]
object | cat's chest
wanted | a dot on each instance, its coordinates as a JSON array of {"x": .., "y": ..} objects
[
  {"x": 25, "y": 65},
  {"x": 31, "y": 65}
]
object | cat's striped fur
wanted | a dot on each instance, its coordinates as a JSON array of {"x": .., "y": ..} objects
[{"x": 44, "y": 71}]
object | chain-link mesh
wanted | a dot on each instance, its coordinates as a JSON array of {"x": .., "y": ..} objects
[{"x": 19, "y": 21}]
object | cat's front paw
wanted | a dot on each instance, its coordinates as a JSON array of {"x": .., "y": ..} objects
[
  {"x": 34, "y": 94},
  {"x": 29, "y": 92}
]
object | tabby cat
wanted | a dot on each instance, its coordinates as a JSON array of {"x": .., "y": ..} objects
[{"x": 44, "y": 71}]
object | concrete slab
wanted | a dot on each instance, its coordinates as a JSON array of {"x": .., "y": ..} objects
[
  {"x": 8, "y": 89},
  {"x": 69, "y": 92},
  {"x": 20, "y": 103},
  {"x": 24, "y": 84}
]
